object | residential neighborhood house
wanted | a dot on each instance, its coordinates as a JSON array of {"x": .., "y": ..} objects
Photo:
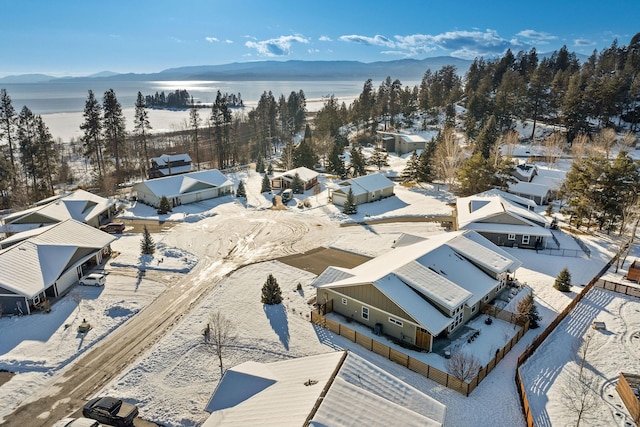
[
  {"x": 47, "y": 265},
  {"x": 503, "y": 221},
  {"x": 79, "y": 205},
  {"x": 402, "y": 143},
  {"x": 333, "y": 389},
  {"x": 418, "y": 292},
  {"x": 170, "y": 164},
  {"x": 185, "y": 188},
  {"x": 536, "y": 183},
  {"x": 366, "y": 188},
  {"x": 283, "y": 181}
]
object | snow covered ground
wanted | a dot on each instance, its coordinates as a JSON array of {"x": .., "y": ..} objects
[{"x": 173, "y": 381}]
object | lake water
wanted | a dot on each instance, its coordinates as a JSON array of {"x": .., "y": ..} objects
[{"x": 61, "y": 96}]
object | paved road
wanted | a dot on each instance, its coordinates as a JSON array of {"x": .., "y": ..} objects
[{"x": 224, "y": 243}]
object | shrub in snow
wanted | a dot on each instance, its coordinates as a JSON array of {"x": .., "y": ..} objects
[
  {"x": 563, "y": 281},
  {"x": 271, "y": 293},
  {"x": 241, "y": 191},
  {"x": 527, "y": 310},
  {"x": 165, "y": 206}
]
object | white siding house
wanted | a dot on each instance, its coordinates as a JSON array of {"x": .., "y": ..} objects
[
  {"x": 45, "y": 266},
  {"x": 184, "y": 189},
  {"x": 367, "y": 188}
]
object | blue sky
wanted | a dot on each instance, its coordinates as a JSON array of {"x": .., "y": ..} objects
[{"x": 69, "y": 37}]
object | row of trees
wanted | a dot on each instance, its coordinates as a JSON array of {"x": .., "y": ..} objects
[
  {"x": 180, "y": 98},
  {"x": 29, "y": 163}
]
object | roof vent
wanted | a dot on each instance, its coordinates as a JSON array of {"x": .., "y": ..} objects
[{"x": 310, "y": 382}]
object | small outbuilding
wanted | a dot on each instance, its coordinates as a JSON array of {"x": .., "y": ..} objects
[
  {"x": 184, "y": 189},
  {"x": 367, "y": 188}
]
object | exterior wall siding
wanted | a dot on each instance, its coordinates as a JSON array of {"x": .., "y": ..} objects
[{"x": 503, "y": 240}]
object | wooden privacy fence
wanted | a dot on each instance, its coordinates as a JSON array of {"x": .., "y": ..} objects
[
  {"x": 413, "y": 364},
  {"x": 544, "y": 334}
]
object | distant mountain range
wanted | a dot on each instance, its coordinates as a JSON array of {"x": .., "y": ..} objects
[{"x": 403, "y": 69}]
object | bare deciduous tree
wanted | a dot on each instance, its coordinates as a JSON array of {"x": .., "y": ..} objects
[
  {"x": 579, "y": 393},
  {"x": 606, "y": 140},
  {"x": 553, "y": 147},
  {"x": 449, "y": 157},
  {"x": 463, "y": 366},
  {"x": 219, "y": 334}
]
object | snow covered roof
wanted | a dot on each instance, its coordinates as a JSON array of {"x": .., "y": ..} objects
[
  {"x": 405, "y": 136},
  {"x": 79, "y": 205},
  {"x": 165, "y": 159},
  {"x": 480, "y": 208},
  {"x": 511, "y": 197},
  {"x": 171, "y": 186},
  {"x": 286, "y": 393},
  {"x": 529, "y": 188},
  {"x": 29, "y": 267},
  {"x": 447, "y": 269},
  {"x": 305, "y": 174},
  {"x": 366, "y": 184},
  {"x": 23, "y": 235}
]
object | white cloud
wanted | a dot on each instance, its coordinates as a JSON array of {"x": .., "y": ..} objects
[
  {"x": 312, "y": 50},
  {"x": 463, "y": 44},
  {"x": 227, "y": 41},
  {"x": 211, "y": 39},
  {"x": 280, "y": 46},
  {"x": 536, "y": 35},
  {"x": 377, "y": 40},
  {"x": 325, "y": 39}
]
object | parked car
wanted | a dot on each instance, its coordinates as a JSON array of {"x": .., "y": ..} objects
[
  {"x": 77, "y": 422},
  {"x": 93, "y": 279},
  {"x": 113, "y": 228},
  {"x": 111, "y": 411},
  {"x": 287, "y": 195}
]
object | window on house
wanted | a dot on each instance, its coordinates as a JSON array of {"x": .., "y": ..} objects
[
  {"x": 525, "y": 239},
  {"x": 511, "y": 236},
  {"x": 365, "y": 313},
  {"x": 344, "y": 301},
  {"x": 473, "y": 309},
  {"x": 395, "y": 321}
]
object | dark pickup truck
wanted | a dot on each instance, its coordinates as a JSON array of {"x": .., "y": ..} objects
[{"x": 111, "y": 411}]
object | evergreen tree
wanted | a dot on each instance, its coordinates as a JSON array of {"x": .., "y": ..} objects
[
  {"x": 487, "y": 137},
  {"x": 350, "y": 207},
  {"x": 164, "y": 206},
  {"x": 241, "y": 191},
  {"x": 297, "y": 185},
  {"x": 141, "y": 127},
  {"x": 426, "y": 161},
  {"x": 270, "y": 169},
  {"x": 114, "y": 131},
  {"x": 271, "y": 293},
  {"x": 563, "y": 281},
  {"x": 411, "y": 170},
  {"x": 7, "y": 126},
  {"x": 357, "y": 163},
  {"x": 474, "y": 176},
  {"x": 260, "y": 164},
  {"x": 379, "y": 158},
  {"x": 266, "y": 184},
  {"x": 147, "y": 245},
  {"x": 194, "y": 123},
  {"x": 336, "y": 164},
  {"x": 92, "y": 133},
  {"x": 303, "y": 154},
  {"x": 529, "y": 311}
]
